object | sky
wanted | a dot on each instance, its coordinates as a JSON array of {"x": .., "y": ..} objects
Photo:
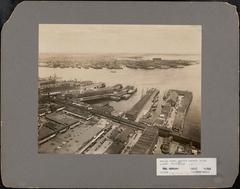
[{"x": 82, "y": 38}]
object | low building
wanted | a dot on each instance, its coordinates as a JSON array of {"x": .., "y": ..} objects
[
  {"x": 173, "y": 97},
  {"x": 146, "y": 121},
  {"x": 124, "y": 135},
  {"x": 159, "y": 122},
  {"x": 178, "y": 122},
  {"x": 47, "y": 83},
  {"x": 136, "y": 109},
  {"x": 57, "y": 127},
  {"x": 165, "y": 110},
  {"x": 146, "y": 142},
  {"x": 62, "y": 118},
  {"x": 45, "y": 134},
  {"x": 116, "y": 113},
  {"x": 78, "y": 112},
  {"x": 157, "y": 59},
  {"x": 114, "y": 134},
  {"x": 165, "y": 147},
  {"x": 115, "y": 148}
]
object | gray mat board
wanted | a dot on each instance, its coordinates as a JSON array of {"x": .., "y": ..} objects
[{"x": 22, "y": 166}]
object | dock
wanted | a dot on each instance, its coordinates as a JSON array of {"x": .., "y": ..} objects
[{"x": 136, "y": 109}]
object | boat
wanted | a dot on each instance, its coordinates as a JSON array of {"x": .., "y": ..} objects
[
  {"x": 132, "y": 66},
  {"x": 126, "y": 96},
  {"x": 115, "y": 98},
  {"x": 149, "y": 68},
  {"x": 179, "y": 66},
  {"x": 131, "y": 91},
  {"x": 96, "y": 67}
]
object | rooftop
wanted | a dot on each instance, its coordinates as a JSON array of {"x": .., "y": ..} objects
[
  {"x": 45, "y": 132},
  {"x": 61, "y": 118},
  {"x": 146, "y": 142}
]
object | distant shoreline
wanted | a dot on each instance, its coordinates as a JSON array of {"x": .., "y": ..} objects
[
  {"x": 143, "y": 61},
  {"x": 143, "y": 54}
]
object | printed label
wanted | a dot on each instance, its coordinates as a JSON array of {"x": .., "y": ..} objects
[{"x": 186, "y": 166}]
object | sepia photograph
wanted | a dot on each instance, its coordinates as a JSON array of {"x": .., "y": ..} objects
[{"x": 119, "y": 89}]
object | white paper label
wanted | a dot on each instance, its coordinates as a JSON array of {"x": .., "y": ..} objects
[{"x": 186, "y": 166}]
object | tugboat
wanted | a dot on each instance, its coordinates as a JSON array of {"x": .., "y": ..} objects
[
  {"x": 132, "y": 90},
  {"x": 131, "y": 66}
]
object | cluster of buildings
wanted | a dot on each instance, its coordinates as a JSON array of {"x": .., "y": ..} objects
[
  {"x": 146, "y": 142},
  {"x": 174, "y": 108},
  {"x": 75, "y": 117},
  {"x": 53, "y": 124},
  {"x": 51, "y": 85},
  {"x": 114, "y": 63}
]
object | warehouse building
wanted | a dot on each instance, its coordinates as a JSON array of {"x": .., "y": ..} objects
[{"x": 146, "y": 142}]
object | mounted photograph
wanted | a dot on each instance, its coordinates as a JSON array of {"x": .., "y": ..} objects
[{"x": 119, "y": 89}]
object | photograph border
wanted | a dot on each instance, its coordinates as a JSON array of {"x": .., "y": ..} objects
[{"x": 118, "y": 31}]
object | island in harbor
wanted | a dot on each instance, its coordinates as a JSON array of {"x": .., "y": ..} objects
[{"x": 111, "y": 62}]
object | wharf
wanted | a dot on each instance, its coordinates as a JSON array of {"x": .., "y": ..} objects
[
  {"x": 136, "y": 109},
  {"x": 184, "y": 104}
]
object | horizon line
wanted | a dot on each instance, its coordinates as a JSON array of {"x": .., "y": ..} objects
[{"x": 118, "y": 53}]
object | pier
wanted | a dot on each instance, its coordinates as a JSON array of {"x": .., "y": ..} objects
[{"x": 136, "y": 109}]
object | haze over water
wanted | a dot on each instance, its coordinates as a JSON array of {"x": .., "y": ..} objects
[{"x": 187, "y": 78}]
